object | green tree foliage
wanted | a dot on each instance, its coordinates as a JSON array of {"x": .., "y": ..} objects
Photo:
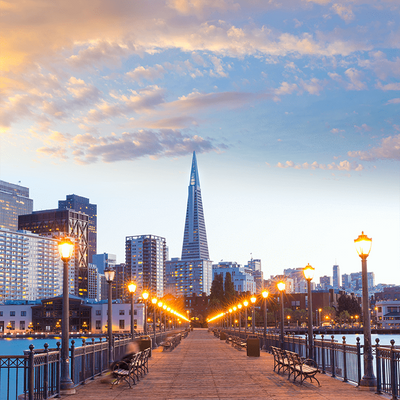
[
  {"x": 217, "y": 292},
  {"x": 229, "y": 288},
  {"x": 349, "y": 304}
]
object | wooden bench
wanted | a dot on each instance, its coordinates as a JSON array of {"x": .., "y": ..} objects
[
  {"x": 281, "y": 360},
  {"x": 238, "y": 343},
  {"x": 126, "y": 371},
  {"x": 303, "y": 368},
  {"x": 171, "y": 342}
]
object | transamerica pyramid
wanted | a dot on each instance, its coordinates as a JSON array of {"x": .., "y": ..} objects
[{"x": 195, "y": 245}]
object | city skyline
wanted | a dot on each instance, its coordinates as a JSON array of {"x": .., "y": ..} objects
[{"x": 291, "y": 106}]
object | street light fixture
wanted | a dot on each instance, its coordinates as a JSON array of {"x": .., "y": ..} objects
[
  {"x": 281, "y": 288},
  {"x": 245, "y": 303},
  {"x": 66, "y": 248},
  {"x": 265, "y": 294},
  {"x": 363, "y": 246},
  {"x": 165, "y": 316},
  {"x": 253, "y": 300},
  {"x": 309, "y": 275},
  {"x": 145, "y": 296},
  {"x": 234, "y": 317},
  {"x": 132, "y": 289},
  {"x": 240, "y": 317},
  {"x": 154, "y": 302},
  {"x": 230, "y": 318},
  {"x": 109, "y": 273},
  {"x": 160, "y": 305}
]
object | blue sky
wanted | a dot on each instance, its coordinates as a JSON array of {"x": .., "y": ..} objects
[{"x": 291, "y": 106}]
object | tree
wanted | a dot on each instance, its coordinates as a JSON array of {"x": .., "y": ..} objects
[
  {"x": 229, "y": 288},
  {"x": 349, "y": 304},
  {"x": 217, "y": 291}
]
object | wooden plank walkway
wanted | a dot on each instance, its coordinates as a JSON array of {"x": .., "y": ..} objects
[{"x": 203, "y": 367}]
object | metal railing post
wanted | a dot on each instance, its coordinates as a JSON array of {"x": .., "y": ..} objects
[
  {"x": 314, "y": 347},
  {"x": 393, "y": 371},
  {"x": 344, "y": 360},
  {"x": 333, "y": 356},
  {"x": 84, "y": 361},
  {"x": 31, "y": 373},
  {"x": 58, "y": 370},
  {"x": 73, "y": 360},
  {"x": 93, "y": 360},
  {"x": 358, "y": 360},
  {"x": 323, "y": 354},
  {"x": 378, "y": 369},
  {"x": 46, "y": 373},
  {"x": 101, "y": 358}
]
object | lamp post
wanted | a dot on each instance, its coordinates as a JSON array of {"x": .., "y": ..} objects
[
  {"x": 265, "y": 294},
  {"x": 245, "y": 303},
  {"x": 154, "y": 302},
  {"x": 234, "y": 318},
  {"x": 253, "y": 300},
  {"x": 65, "y": 247},
  {"x": 230, "y": 318},
  {"x": 110, "y": 274},
  {"x": 145, "y": 296},
  {"x": 240, "y": 317},
  {"x": 309, "y": 275},
  {"x": 319, "y": 317},
  {"x": 132, "y": 289},
  {"x": 165, "y": 316},
  {"x": 363, "y": 247},
  {"x": 281, "y": 288},
  {"x": 160, "y": 305}
]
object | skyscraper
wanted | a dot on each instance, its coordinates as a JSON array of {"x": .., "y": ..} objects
[
  {"x": 79, "y": 203},
  {"x": 195, "y": 245},
  {"x": 14, "y": 201},
  {"x": 336, "y": 277},
  {"x": 193, "y": 273},
  {"x": 145, "y": 258}
]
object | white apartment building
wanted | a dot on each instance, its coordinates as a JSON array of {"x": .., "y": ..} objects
[
  {"x": 30, "y": 266},
  {"x": 388, "y": 314}
]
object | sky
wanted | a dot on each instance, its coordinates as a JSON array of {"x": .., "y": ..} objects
[{"x": 292, "y": 107}]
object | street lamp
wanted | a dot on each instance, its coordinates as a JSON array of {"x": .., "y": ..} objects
[
  {"x": 265, "y": 294},
  {"x": 109, "y": 273},
  {"x": 253, "y": 299},
  {"x": 154, "y": 301},
  {"x": 160, "y": 304},
  {"x": 245, "y": 303},
  {"x": 363, "y": 247},
  {"x": 230, "y": 318},
  {"x": 165, "y": 316},
  {"x": 240, "y": 317},
  {"x": 132, "y": 289},
  {"x": 234, "y": 318},
  {"x": 309, "y": 275},
  {"x": 145, "y": 296},
  {"x": 281, "y": 288},
  {"x": 66, "y": 248}
]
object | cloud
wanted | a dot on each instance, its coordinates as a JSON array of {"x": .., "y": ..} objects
[
  {"x": 342, "y": 166},
  {"x": 344, "y": 12},
  {"x": 362, "y": 128},
  {"x": 393, "y": 101},
  {"x": 313, "y": 86},
  {"x": 389, "y": 149},
  {"x": 148, "y": 73},
  {"x": 382, "y": 67},
  {"x": 286, "y": 88},
  {"x": 88, "y": 148},
  {"x": 336, "y": 130},
  {"x": 355, "y": 79},
  {"x": 389, "y": 86}
]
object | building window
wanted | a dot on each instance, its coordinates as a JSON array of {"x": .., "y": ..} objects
[
  {"x": 121, "y": 324},
  {"x": 12, "y": 313},
  {"x": 1, "y": 313},
  {"x": 22, "y": 325},
  {"x": 23, "y": 313},
  {"x": 98, "y": 324},
  {"x": 121, "y": 312},
  {"x": 98, "y": 312},
  {"x": 134, "y": 312}
]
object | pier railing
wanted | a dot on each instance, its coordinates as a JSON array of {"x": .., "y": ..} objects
[
  {"x": 36, "y": 374},
  {"x": 340, "y": 359}
]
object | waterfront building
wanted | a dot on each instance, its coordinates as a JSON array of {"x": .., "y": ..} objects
[
  {"x": 188, "y": 277},
  {"x": 30, "y": 266},
  {"x": 82, "y": 204},
  {"x": 192, "y": 274},
  {"x": 59, "y": 223},
  {"x": 388, "y": 314},
  {"x": 388, "y": 293},
  {"x": 145, "y": 258},
  {"x": 15, "y": 317},
  {"x": 14, "y": 201},
  {"x": 243, "y": 281},
  {"x": 336, "y": 277}
]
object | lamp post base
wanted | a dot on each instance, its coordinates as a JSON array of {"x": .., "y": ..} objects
[
  {"x": 367, "y": 383},
  {"x": 67, "y": 386}
]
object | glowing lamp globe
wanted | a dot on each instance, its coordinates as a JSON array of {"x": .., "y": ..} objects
[
  {"x": 308, "y": 272},
  {"x": 265, "y": 294},
  {"x": 154, "y": 300},
  {"x": 281, "y": 286},
  {"x": 145, "y": 295},
  {"x": 363, "y": 245},
  {"x": 253, "y": 299},
  {"x": 132, "y": 287},
  {"x": 66, "y": 247},
  {"x": 245, "y": 303}
]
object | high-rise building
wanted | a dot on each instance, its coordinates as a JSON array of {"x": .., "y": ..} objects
[
  {"x": 14, "y": 201},
  {"x": 254, "y": 264},
  {"x": 336, "y": 277},
  {"x": 104, "y": 261},
  {"x": 94, "y": 288},
  {"x": 325, "y": 282},
  {"x": 58, "y": 223},
  {"x": 193, "y": 273},
  {"x": 195, "y": 245},
  {"x": 30, "y": 266},
  {"x": 145, "y": 257},
  {"x": 242, "y": 279},
  {"x": 82, "y": 204}
]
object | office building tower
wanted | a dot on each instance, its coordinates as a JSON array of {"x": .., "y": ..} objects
[
  {"x": 122, "y": 280},
  {"x": 242, "y": 279},
  {"x": 145, "y": 257},
  {"x": 30, "y": 266},
  {"x": 14, "y": 201},
  {"x": 94, "y": 288},
  {"x": 104, "y": 261},
  {"x": 59, "y": 223},
  {"x": 193, "y": 273},
  {"x": 255, "y": 265},
  {"x": 81, "y": 204},
  {"x": 346, "y": 281},
  {"x": 325, "y": 282},
  {"x": 336, "y": 277},
  {"x": 195, "y": 245}
]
